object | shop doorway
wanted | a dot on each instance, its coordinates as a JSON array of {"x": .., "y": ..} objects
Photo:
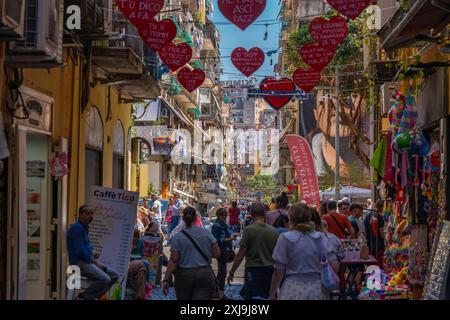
[{"x": 30, "y": 216}]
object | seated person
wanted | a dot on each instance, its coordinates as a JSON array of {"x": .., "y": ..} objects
[{"x": 138, "y": 270}]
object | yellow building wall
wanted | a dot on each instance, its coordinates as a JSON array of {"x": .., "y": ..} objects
[
  {"x": 143, "y": 180},
  {"x": 63, "y": 84}
]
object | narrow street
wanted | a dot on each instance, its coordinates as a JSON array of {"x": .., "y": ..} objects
[{"x": 316, "y": 133}]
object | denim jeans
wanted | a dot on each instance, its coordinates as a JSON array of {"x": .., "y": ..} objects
[
  {"x": 101, "y": 280},
  {"x": 173, "y": 225}
]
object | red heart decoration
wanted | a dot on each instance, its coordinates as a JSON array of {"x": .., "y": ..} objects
[
  {"x": 191, "y": 80},
  {"x": 282, "y": 87},
  {"x": 329, "y": 32},
  {"x": 248, "y": 62},
  {"x": 306, "y": 79},
  {"x": 140, "y": 12},
  {"x": 317, "y": 56},
  {"x": 158, "y": 34},
  {"x": 176, "y": 55},
  {"x": 242, "y": 13},
  {"x": 350, "y": 8}
]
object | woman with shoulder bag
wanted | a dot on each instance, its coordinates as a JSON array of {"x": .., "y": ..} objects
[
  {"x": 221, "y": 232},
  {"x": 191, "y": 254},
  {"x": 301, "y": 257}
]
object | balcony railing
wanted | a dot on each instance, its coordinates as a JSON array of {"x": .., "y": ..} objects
[
  {"x": 129, "y": 36},
  {"x": 95, "y": 16}
]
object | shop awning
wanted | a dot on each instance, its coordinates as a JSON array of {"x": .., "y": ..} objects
[
  {"x": 178, "y": 113},
  {"x": 185, "y": 194},
  {"x": 424, "y": 18}
]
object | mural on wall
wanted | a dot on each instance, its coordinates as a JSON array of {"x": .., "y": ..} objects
[{"x": 318, "y": 126}]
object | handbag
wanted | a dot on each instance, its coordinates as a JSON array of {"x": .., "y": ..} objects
[
  {"x": 216, "y": 289},
  {"x": 228, "y": 254},
  {"x": 330, "y": 280}
]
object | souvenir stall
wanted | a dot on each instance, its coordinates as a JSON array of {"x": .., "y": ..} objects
[{"x": 411, "y": 189}]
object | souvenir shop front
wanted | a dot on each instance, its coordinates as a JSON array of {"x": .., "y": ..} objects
[{"x": 411, "y": 165}]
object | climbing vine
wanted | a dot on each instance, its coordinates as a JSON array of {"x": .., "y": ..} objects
[{"x": 355, "y": 84}]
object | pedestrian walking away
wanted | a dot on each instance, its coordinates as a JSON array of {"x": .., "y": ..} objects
[{"x": 191, "y": 255}]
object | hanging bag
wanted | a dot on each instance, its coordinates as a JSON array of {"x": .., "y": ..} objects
[{"x": 330, "y": 280}]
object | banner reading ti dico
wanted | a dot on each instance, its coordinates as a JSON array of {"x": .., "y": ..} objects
[
  {"x": 303, "y": 161},
  {"x": 111, "y": 231}
]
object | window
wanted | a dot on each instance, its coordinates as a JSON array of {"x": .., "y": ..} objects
[
  {"x": 119, "y": 157},
  {"x": 93, "y": 174}
]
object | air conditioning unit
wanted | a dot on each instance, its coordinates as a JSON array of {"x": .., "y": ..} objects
[
  {"x": 387, "y": 94},
  {"x": 42, "y": 43},
  {"x": 12, "y": 17},
  {"x": 32, "y": 109}
]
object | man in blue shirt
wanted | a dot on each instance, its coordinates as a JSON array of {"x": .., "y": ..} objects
[
  {"x": 176, "y": 216},
  {"x": 81, "y": 254}
]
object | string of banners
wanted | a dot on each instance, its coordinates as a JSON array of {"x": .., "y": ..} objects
[{"x": 327, "y": 34}]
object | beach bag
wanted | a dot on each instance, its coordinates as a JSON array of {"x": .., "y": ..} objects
[{"x": 330, "y": 280}]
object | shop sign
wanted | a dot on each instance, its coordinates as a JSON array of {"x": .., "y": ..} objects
[
  {"x": 59, "y": 165},
  {"x": 303, "y": 161},
  {"x": 111, "y": 231},
  {"x": 436, "y": 282}
]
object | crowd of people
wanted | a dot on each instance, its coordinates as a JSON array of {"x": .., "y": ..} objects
[{"x": 285, "y": 247}]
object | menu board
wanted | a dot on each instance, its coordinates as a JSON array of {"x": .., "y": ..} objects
[
  {"x": 111, "y": 231},
  {"x": 436, "y": 282},
  {"x": 36, "y": 173}
]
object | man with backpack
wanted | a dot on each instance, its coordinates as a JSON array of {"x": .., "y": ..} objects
[{"x": 338, "y": 223}]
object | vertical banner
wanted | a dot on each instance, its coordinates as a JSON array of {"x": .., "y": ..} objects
[
  {"x": 303, "y": 161},
  {"x": 111, "y": 232}
]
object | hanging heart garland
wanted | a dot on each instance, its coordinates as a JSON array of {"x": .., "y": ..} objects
[
  {"x": 242, "y": 13},
  {"x": 329, "y": 32},
  {"x": 140, "y": 12},
  {"x": 248, "y": 62},
  {"x": 158, "y": 34},
  {"x": 176, "y": 56},
  {"x": 317, "y": 56},
  {"x": 191, "y": 80},
  {"x": 350, "y": 8},
  {"x": 306, "y": 79},
  {"x": 277, "y": 93}
]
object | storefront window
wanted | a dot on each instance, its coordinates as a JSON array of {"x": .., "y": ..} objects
[
  {"x": 94, "y": 151},
  {"x": 119, "y": 156}
]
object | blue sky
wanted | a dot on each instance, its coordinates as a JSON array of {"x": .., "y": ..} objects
[{"x": 232, "y": 37}]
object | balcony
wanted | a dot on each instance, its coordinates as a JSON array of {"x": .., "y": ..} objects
[
  {"x": 121, "y": 63},
  {"x": 423, "y": 20},
  {"x": 96, "y": 17},
  {"x": 211, "y": 39}
]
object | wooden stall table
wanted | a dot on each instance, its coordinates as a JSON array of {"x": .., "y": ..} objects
[
  {"x": 370, "y": 261},
  {"x": 417, "y": 288}
]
